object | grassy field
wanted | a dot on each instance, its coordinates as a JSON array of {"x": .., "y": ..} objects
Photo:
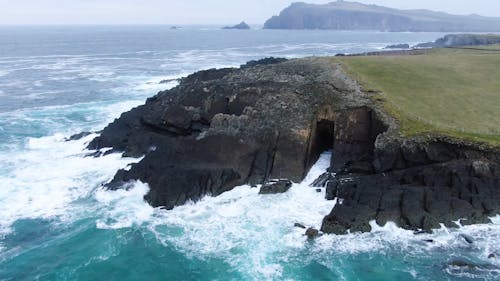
[{"x": 448, "y": 91}]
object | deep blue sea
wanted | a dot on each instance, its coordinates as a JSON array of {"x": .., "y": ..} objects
[{"x": 56, "y": 223}]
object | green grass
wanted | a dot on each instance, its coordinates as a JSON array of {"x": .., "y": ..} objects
[{"x": 454, "y": 92}]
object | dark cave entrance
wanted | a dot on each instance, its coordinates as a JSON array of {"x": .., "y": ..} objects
[{"x": 322, "y": 140}]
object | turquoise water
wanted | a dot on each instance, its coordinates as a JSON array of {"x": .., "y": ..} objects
[{"x": 56, "y": 223}]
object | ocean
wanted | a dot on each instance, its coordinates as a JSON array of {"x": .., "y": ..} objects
[{"x": 58, "y": 223}]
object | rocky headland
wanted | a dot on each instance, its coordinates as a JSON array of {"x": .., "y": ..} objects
[
  {"x": 345, "y": 15},
  {"x": 271, "y": 119}
]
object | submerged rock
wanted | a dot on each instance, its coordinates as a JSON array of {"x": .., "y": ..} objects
[
  {"x": 280, "y": 186},
  {"x": 299, "y": 225},
  {"x": 312, "y": 233},
  {"x": 467, "y": 238},
  {"x": 78, "y": 136}
]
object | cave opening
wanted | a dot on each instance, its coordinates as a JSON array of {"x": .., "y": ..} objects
[
  {"x": 323, "y": 140},
  {"x": 324, "y": 135}
]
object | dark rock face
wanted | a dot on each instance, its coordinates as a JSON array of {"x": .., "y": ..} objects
[
  {"x": 241, "y": 25},
  {"x": 280, "y": 186},
  {"x": 222, "y": 128},
  {"x": 418, "y": 187},
  {"x": 344, "y": 15},
  {"x": 457, "y": 40}
]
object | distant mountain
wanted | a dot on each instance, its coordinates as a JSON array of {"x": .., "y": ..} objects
[{"x": 343, "y": 15}]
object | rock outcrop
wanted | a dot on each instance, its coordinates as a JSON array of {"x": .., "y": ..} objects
[
  {"x": 461, "y": 40},
  {"x": 271, "y": 119},
  {"x": 274, "y": 187},
  {"x": 344, "y": 15},
  {"x": 227, "y": 127},
  {"x": 398, "y": 46},
  {"x": 241, "y": 25}
]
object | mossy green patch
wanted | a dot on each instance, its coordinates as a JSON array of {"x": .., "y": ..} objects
[{"x": 454, "y": 92}]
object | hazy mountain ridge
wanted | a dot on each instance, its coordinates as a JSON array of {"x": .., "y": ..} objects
[{"x": 343, "y": 15}]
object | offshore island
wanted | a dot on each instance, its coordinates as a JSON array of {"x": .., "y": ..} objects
[{"x": 414, "y": 135}]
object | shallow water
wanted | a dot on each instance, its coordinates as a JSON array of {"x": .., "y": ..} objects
[{"x": 56, "y": 223}]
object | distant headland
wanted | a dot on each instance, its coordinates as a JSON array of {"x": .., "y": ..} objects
[{"x": 344, "y": 15}]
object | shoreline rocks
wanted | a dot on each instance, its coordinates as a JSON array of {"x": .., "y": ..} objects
[
  {"x": 462, "y": 40},
  {"x": 398, "y": 46},
  {"x": 222, "y": 128}
]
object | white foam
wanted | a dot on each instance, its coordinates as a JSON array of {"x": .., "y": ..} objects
[
  {"x": 256, "y": 234},
  {"x": 50, "y": 175},
  {"x": 242, "y": 221},
  {"x": 124, "y": 208}
]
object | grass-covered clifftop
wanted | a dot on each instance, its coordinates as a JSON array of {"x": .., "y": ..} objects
[{"x": 454, "y": 92}]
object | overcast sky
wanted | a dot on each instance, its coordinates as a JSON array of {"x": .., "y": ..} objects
[{"x": 193, "y": 11}]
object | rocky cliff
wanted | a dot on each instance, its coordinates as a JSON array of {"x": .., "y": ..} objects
[
  {"x": 272, "y": 119},
  {"x": 343, "y": 15}
]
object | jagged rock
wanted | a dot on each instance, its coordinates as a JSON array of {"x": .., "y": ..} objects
[
  {"x": 312, "y": 233},
  {"x": 78, "y": 136},
  {"x": 323, "y": 179},
  {"x": 280, "y": 186},
  {"x": 419, "y": 197},
  {"x": 264, "y": 61},
  {"x": 398, "y": 46},
  {"x": 299, "y": 225}
]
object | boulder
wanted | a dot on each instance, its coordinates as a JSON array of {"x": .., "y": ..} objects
[
  {"x": 280, "y": 186},
  {"x": 312, "y": 233}
]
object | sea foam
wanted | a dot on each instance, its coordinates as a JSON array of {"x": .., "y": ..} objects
[{"x": 256, "y": 234}]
